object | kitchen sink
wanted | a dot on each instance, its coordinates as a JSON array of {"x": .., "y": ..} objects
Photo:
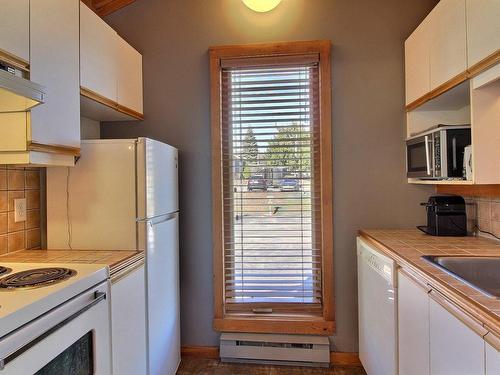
[{"x": 482, "y": 273}]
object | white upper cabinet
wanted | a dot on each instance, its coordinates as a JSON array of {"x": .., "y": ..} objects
[
  {"x": 413, "y": 327},
  {"x": 448, "y": 41},
  {"x": 455, "y": 36},
  {"x": 54, "y": 45},
  {"x": 483, "y": 29},
  {"x": 15, "y": 28},
  {"x": 417, "y": 69},
  {"x": 492, "y": 354},
  {"x": 129, "y": 76},
  {"x": 49, "y": 134},
  {"x": 111, "y": 72},
  {"x": 98, "y": 54},
  {"x": 454, "y": 347}
]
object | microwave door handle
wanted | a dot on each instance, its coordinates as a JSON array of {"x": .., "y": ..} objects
[
  {"x": 427, "y": 155},
  {"x": 454, "y": 151},
  {"x": 469, "y": 162}
]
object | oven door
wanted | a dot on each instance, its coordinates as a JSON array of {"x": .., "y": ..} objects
[
  {"x": 419, "y": 161},
  {"x": 73, "y": 338}
]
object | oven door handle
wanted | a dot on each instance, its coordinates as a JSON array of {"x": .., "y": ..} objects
[
  {"x": 427, "y": 155},
  {"x": 98, "y": 297}
]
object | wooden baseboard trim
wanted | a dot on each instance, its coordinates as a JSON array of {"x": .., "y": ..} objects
[
  {"x": 212, "y": 352},
  {"x": 202, "y": 352},
  {"x": 344, "y": 359}
]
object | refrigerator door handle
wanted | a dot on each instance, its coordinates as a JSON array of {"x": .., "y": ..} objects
[{"x": 158, "y": 219}]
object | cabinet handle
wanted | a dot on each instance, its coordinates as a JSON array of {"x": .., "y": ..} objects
[{"x": 458, "y": 313}]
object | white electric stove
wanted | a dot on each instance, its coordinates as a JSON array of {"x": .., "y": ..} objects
[{"x": 49, "y": 312}]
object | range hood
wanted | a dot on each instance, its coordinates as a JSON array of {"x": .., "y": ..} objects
[{"x": 18, "y": 94}]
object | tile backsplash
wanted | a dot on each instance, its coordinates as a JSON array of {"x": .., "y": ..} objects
[
  {"x": 17, "y": 182},
  {"x": 485, "y": 214}
]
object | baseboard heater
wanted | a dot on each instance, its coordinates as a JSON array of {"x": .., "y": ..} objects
[{"x": 275, "y": 349}]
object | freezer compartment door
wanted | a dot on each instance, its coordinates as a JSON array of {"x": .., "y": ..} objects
[
  {"x": 157, "y": 178},
  {"x": 162, "y": 277}
]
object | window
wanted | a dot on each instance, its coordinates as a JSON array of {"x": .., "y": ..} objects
[{"x": 272, "y": 187}]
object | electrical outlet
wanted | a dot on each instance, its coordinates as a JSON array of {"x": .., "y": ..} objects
[{"x": 19, "y": 210}]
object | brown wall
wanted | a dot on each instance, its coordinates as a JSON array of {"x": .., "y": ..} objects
[{"x": 368, "y": 121}]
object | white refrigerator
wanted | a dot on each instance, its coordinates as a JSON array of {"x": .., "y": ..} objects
[{"x": 122, "y": 194}]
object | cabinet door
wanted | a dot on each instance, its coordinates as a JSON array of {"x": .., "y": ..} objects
[
  {"x": 128, "y": 324},
  {"x": 129, "y": 76},
  {"x": 448, "y": 55},
  {"x": 483, "y": 29},
  {"x": 417, "y": 72},
  {"x": 492, "y": 360},
  {"x": 413, "y": 327},
  {"x": 98, "y": 54},
  {"x": 54, "y": 45},
  {"x": 15, "y": 28},
  {"x": 454, "y": 347}
]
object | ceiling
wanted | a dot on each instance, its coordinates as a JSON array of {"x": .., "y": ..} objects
[{"x": 105, "y": 7}]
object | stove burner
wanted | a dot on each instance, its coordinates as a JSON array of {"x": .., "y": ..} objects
[
  {"x": 35, "y": 278},
  {"x": 4, "y": 270}
]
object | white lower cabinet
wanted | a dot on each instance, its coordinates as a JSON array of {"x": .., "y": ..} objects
[
  {"x": 128, "y": 323},
  {"x": 455, "y": 349},
  {"x": 413, "y": 326}
]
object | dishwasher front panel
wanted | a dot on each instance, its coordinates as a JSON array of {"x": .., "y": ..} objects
[{"x": 377, "y": 311}]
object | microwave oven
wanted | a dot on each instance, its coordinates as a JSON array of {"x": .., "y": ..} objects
[{"x": 438, "y": 154}]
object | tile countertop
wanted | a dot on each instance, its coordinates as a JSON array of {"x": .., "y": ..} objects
[
  {"x": 407, "y": 246},
  {"x": 116, "y": 260}
]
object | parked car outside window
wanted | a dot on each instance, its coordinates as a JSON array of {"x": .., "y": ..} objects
[
  {"x": 290, "y": 183},
  {"x": 257, "y": 182}
]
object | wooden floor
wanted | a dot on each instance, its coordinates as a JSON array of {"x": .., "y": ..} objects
[{"x": 194, "y": 366}]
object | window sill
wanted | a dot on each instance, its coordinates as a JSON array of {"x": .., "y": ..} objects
[{"x": 284, "y": 324}]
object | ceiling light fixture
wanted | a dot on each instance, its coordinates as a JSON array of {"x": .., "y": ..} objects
[{"x": 261, "y": 5}]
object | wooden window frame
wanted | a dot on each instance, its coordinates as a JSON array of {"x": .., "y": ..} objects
[{"x": 293, "y": 322}]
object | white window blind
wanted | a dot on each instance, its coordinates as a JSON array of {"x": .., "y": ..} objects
[{"x": 271, "y": 181}]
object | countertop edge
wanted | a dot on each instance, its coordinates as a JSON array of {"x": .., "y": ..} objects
[
  {"x": 129, "y": 261},
  {"x": 121, "y": 269},
  {"x": 480, "y": 313}
]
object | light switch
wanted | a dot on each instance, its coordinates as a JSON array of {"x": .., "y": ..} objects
[{"x": 19, "y": 210}]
